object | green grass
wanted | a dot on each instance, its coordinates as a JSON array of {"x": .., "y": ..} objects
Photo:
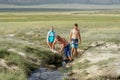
[
  {"x": 3, "y": 53},
  {"x": 82, "y": 18},
  {"x": 12, "y": 59},
  {"x": 14, "y": 75},
  {"x": 25, "y": 65},
  {"x": 93, "y": 27}
]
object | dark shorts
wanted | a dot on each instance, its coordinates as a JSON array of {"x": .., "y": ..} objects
[
  {"x": 74, "y": 43},
  {"x": 67, "y": 50}
]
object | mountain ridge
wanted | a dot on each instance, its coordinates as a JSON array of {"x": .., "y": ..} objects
[{"x": 38, "y": 2}]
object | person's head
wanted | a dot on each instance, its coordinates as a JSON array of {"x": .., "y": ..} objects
[
  {"x": 75, "y": 26},
  {"x": 51, "y": 28},
  {"x": 58, "y": 37}
]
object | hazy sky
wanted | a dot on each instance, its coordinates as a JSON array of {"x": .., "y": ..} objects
[{"x": 19, "y": 2}]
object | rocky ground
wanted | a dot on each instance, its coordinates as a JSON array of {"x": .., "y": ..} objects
[{"x": 100, "y": 61}]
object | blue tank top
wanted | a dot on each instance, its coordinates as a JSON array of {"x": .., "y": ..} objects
[{"x": 51, "y": 36}]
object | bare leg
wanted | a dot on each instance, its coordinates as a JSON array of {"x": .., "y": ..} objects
[
  {"x": 76, "y": 53},
  {"x": 70, "y": 58},
  {"x": 49, "y": 44},
  {"x": 72, "y": 52}
]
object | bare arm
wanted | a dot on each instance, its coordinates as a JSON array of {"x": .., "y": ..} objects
[
  {"x": 62, "y": 47},
  {"x": 70, "y": 35},
  {"x": 47, "y": 36},
  {"x": 79, "y": 36},
  {"x": 53, "y": 45}
]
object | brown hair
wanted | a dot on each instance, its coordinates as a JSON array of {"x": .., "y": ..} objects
[
  {"x": 76, "y": 24},
  {"x": 58, "y": 37}
]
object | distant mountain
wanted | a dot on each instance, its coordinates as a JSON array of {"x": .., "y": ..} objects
[{"x": 35, "y": 2}]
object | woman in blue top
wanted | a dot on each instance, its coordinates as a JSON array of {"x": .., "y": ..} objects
[{"x": 50, "y": 37}]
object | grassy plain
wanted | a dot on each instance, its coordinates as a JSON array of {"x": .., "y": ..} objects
[{"x": 19, "y": 30}]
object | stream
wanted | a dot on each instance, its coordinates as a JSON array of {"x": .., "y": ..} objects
[
  {"x": 48, "y": 73},
  {"x": 45, "y": 74}
]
